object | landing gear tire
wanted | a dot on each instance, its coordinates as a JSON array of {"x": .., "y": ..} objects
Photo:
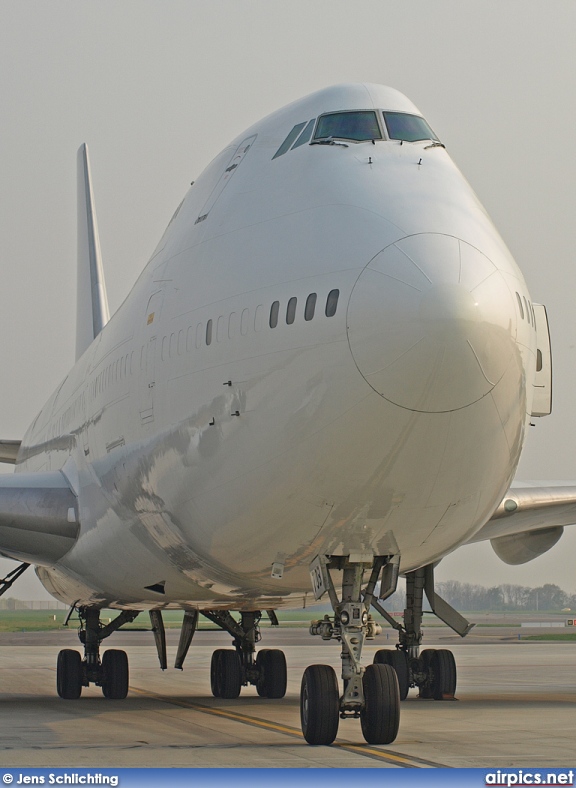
[
  {"x": 380, "y": 716},
  {"x": 440, "y": 664},
  {"x": 115, "y": 674},
  {"x": 225, "y": 674},
  {"x": 425, "y": 659},
  {"x": 399, "y": 661},
  {"x": 273, "y": 674},
  {"x": 443, "y": 666},
  {"x": 69, "y": 674},
  {"x": 319, "y": 704},
  {"x": 215, "y": 673}
]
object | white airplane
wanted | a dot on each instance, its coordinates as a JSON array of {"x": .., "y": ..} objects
[{"x": 321, "y": 380}]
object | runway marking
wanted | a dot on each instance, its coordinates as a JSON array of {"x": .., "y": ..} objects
[{"x": 402, "y": 761}]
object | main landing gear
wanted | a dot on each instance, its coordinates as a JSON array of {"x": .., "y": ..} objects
[
  {"x": 370, "y": 693},
  {"x": 231, "y": 669},
  {"x": 110, "y": 673},
  {"x": 433, "y": 671}
]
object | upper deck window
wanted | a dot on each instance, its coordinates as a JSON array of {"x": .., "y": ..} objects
[
  {"x": 409, "y": 128},
  {"x": 357, "y": 126}
]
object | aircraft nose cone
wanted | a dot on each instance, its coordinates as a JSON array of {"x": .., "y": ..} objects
[{"x": 430, "y": 323}]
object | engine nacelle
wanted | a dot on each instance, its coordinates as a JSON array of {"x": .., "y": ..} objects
[{"x": 524, "y": 547}]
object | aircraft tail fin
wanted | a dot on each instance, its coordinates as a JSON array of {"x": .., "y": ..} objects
[{"x": 92, "y": 312}]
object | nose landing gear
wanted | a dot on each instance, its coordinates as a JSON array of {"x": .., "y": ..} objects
[{"x": 371, "y": 693}]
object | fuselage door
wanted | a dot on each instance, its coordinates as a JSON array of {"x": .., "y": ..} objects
[
  {"x": 226, "y": 177},
  {"x": 542, "y": 402},
  {"x": 148, "y": 382},
  {"x": 148, "y": 358}
]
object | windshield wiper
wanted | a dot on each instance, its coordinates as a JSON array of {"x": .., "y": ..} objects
[
  {"x": 328, "y": 141},
  {"x": 435, "y": 145}
]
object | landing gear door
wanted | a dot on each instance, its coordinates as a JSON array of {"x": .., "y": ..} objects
[{"x": 542, "y": 399}]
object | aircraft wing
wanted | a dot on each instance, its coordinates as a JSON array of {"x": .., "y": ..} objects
[
  {"x": 529, "y": 521},
  {"x": 38, "y": 517}
]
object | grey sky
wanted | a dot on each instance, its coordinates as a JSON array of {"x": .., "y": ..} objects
[{"x": 157, "y": 88}]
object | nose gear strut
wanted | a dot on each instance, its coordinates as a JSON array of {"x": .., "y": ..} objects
[{"x": 370, "y": 693}]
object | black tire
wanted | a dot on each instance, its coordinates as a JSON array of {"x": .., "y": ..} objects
[
  {"x": 115, "y": 675},
  {"x": 69, "y": 674},
  {"x": 425, "y": 690},
  {"x": 273, "y": 676},
  {"x": 319, "y": 704},
  {"x": 215, "y": 673},
  {"x": 380, "y": 716},
  {"x": 230, "y": 674},
  {"x": 443, "y": 666},
  {"x": 261, "y": 665},
  {"x": 399, "y": 661}
]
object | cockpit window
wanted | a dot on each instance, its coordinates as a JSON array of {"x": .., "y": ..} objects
[
  {"x": 409, "y": 128},
  {"x": 358, "y": 126}
]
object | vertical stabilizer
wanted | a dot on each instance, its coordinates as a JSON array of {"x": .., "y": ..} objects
[{"x": 92, "y": 303}]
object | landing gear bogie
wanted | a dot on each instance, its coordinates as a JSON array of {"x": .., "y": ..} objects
[
  {"x": 110, "y": 673},
  {"x": 231, "y": 669}
]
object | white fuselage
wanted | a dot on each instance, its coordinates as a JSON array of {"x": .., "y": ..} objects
[{"x": 395, "y": 423}]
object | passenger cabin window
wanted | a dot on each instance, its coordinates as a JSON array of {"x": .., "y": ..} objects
[
  {"x": 409, "y": 128},
  {"x": 274, "y": 309},
  {"x": 332, "y": 303},
  {"x": 520, "y": 307},
  {"x": 357, "y": 126},
  {"x": 291, "y": 311},
  {"x": 310, "y": 306},
  {"x": 209, "y": 332}
]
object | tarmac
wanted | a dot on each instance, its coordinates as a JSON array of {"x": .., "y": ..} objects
[{"x": 516, "y": 707}]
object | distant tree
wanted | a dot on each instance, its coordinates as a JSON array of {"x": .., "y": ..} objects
[
  {"x": 466, "y": 596},
  {"x": 547, "y": 597}
]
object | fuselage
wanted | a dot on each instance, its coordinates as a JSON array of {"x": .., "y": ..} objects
[{"x": 324, "y": 356}]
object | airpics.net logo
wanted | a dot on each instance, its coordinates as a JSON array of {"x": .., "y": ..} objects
[{"x": 521, "y": 778}]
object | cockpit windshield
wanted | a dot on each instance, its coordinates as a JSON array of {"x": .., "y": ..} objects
[
  {"x": 409, "y": 128},
  {"x": 357, "y": 126}
]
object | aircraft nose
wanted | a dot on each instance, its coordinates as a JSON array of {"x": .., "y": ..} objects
[{"x": 430, "y": 323}]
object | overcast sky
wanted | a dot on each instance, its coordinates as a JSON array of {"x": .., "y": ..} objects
[{"x": 158, "y": 88}]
